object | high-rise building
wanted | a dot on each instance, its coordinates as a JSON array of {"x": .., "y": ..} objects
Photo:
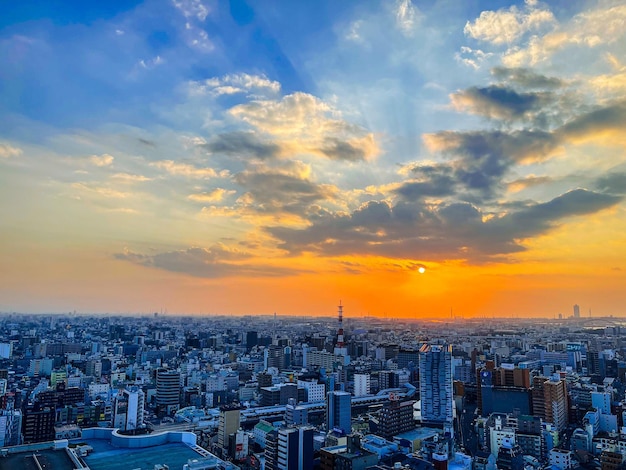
[
  {"x": 168, "y": 390},
  {"x": 295, "y": 448},
  {"x": 395, "y": 418},
  {"x": 576, "y": 311},
  {"x": 362, "y": 385},
  {"x": 549, "y": 400},
  {"x": 252, "y": 339},
  {"x": 230, "y": 416},
  {"x": 38, "y": 423},
  {"x": 339, "y": 411},
  {"x": 10, "y": 427},
  {"x": 436, "y": 390},
  {"x": 128, "y": 409}
]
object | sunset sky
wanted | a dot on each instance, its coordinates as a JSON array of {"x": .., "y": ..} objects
[{"x": 198, "y": 156}]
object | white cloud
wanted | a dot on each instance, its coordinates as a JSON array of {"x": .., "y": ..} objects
[
  {"x": 184, "y": 169},
  {"x": 151, "y": 63},
  {"x": 128, "y": 177},
  {"x": 354, "y": 33},
  {"x": 8, "y": 151},
  {"x": 192, "y": 9},
  {"x": 101, "y": 160},
  {"x": 506, "y": 26},
  {"x": 232, "y": 84},
  {"x": 590, "y": 29},
  {"x": 472, "y": 57},
  {"x": 407, "y": 16}
]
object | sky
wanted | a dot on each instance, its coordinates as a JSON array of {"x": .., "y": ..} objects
[{"x": 241, "y": 157}]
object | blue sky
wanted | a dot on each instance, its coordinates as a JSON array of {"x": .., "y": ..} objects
[{"x": 189, "y": 146}]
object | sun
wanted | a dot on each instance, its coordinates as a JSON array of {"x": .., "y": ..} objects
[{"x": 421, "y": 270}]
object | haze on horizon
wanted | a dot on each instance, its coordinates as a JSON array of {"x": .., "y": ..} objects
[{"x": 252, "y": 157}]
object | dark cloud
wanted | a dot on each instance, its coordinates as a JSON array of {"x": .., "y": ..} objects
[
  {"x": 432, "y": 181},
  {"x": 337, "y": 149},
  {"x": 274, "y": 192},
  {"x": 242, "y": 144},
  {"x": 500, "y": 102},
  {"x": 526, "y": 78},
  {"x": 484, "y": 157},
  {"x": 608, "y": 118},
  {"x": 214, "y": 262},
  {"x": 147, "y": 142},
  {"x": 453, "y": 231},
  {"x": 613, "y": 183}
]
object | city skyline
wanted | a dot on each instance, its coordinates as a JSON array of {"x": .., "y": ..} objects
[{"x": 412, "y": 158}]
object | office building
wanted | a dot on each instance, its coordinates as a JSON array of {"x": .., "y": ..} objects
[
  {"x": 436, "y": 391},
  {"x": 229, "y": 419},
  {"x": 339, "y": 412},
  {"x": 295, "y": 448},
  {"x": 168, "y": 391}
]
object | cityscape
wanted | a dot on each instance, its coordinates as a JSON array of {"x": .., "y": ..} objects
[
  {"x": 313, "y": 235},
  {"x": 158, "y": 391}
]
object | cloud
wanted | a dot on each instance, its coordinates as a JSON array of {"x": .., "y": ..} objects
[
  {"x": 451, "y": 231},
  {"x": 102, "y": 191},
  {"x": 234, "y": 83},
  {"x": 407, "y": 16},
  {"x": 506, "y": 26},
  {"x": 612, "y": 183},
  {"x": 242, "y": 144},
  {"x": 8, "y": 151},
  {"x": 526, "y": 78},
  {"x": 192, "y": 9},
  {"x": 273, "y": 191},
  {"x": 528, "y": 182},
  {"x": 130, "y": 178},
  {"x": 216, "y": 195},
  {"x": 500, "y": 102},
  {"x": 215, "y": 262},
  {"x": 302, "y": 123},
  {"x": 472, "y": 57},
  {"x": 101, "y": 160},
  {"x": 484, "y": 157},
  {"x": 589, "y": 29},
  {"x": 187, "y": 170}
]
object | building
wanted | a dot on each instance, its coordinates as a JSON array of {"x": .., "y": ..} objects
[
  {"x": 362, "y": 385},
  {"x": 295, "y": 448},
  {"x": 561, "y": 459},
  {"x": 395, "y": 418},
  {"x": 167, "y": 391},
  {"x": 339, "y": 412},
  {"x": 38, "y": 423},
  {"x": 554, "y": 402},
  {"x": 128, "y": 409},
  {"x": 10, "y": 427},
  {"x": 510, "y": 456},
  {"x": 296, "y": 415},
  {"x": 436, "y": 391},
  {"x": 230, "y": 416},
  {"x": 315, "y": 391},
  {"x": 271, "y": 450},
  {"x": 576, "y": 311}
]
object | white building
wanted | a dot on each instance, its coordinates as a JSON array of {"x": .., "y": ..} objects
[
  {"x": 315, "y": 391},
  {"x": 498, "y": 434},
  {"x": 362, "y": 385},
  {"x": 561, "y": 458},
  {"x": 128, "y": 409}
]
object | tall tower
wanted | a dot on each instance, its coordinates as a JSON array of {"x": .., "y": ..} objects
[
  {"x": 436, "y": 390},
  {"x": 576, "y": 311},
  {"x": 340, "y": 347}
]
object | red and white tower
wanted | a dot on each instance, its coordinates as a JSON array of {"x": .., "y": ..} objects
[{"x": 340, "y": 347}]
